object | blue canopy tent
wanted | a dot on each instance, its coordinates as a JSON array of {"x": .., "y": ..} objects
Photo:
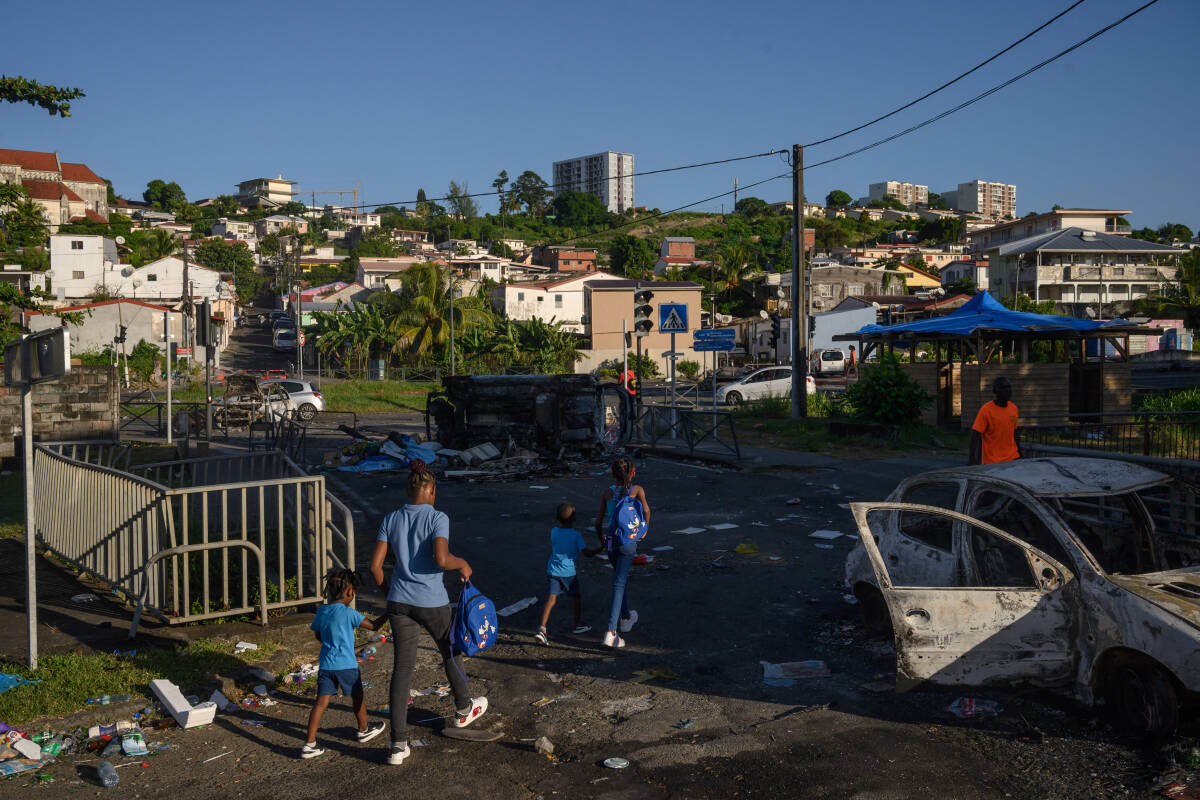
[{"x": 983, "y": 340}]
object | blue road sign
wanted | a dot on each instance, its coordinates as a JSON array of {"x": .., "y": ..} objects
[
  {"x": 713, "y": 345},
  {"x": 711, "y": 334},
  {"x": 672, "y": 318}
]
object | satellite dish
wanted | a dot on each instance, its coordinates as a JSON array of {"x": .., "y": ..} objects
[
  {"x": 779, "y": 293},
  {"x": 127, "y": 271},
  {"x": 120, "y": 240},
  {"x": 762, "y": 313}
]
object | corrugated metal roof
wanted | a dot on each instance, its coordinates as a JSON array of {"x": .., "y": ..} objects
[{"x": 1073, "y": 240}]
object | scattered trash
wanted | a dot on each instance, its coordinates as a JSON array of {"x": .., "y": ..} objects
[
  {"x": 25, "y": 747},
  {"x": 9, "y": 681},
  {"x": 439, "y": 689},
  {"x": 260, "y": 690},
  {"x": 795, "y": 669},
  {"x": 260, "y": 675},
  {"x": 643, "y": 559},
  {"x": 974, "y": 708},
  {"x": 543, "y": 746},
  {"x": 795, "y": 501},
  {"x": 418, "y": 742},
  {"x": 134, "y": 744},
  {"x": 124, "y": 653},
  {"x": 821, "y": 546},
  {"x": 844, "y": 505},
  {"x": 824, "y": 534},
  {"x": 87, "y": 597},
  {"x": 543, "y": 701},
  {"x": 775, "y": 558},
  {"x": 849, "y": 599},
  {"x": 616, "y": 763},
  {"x": 722, "y": 526},
  {"x": 643, "y": 675},
  {"x": 255, "y": 722},
  {"x": 242, "y": 647},
  {"x": 627, "y": 706},
  {"x": 689, "y": 531},
  {"x": 222, "y": 702},
  {"x": 187, "y": 715},
  {"x": 539, "y": 486},
  {"x": 15, "y": 766},
  {"x": 759, "y": 524},
  {"x": 109, "y": 699},
  {"x": 746, "y": 548},
  {"x": 520, "y": 605},
  {"x": 107, "y": 774},
  {"x": 718, "y": 563},
  {"x": 684, "y": 724},
  {"x": 662, "y": 548},
  {"x": 214, "y": 758},
  {"x": 1180, "y": 790}
]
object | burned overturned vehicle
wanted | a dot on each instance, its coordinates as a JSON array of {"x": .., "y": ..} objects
[
  {"x": 549, "y": 414},
  {"x": 1077, "y": 574}
]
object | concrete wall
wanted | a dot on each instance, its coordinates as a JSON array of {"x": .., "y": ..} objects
[{"x": 82, "y": 405}]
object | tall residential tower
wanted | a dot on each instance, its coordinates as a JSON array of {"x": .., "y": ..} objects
[{"x": 608, "y": 176}]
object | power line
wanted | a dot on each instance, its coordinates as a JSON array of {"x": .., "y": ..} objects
[{"x": 951, "y": 82}]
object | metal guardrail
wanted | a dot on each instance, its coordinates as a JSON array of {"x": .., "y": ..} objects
[
  {"x": 182, "y": 543},
  {"x": 1174, "y": 435},
  {"x": 663, "y": 425}
]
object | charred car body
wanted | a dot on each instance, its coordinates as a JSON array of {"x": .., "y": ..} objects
[{"x": 1070, "y": 573}]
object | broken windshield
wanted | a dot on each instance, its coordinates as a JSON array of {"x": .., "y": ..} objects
[{"x": 1135, "y": 533}]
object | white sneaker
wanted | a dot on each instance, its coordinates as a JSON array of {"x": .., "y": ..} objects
[
  {"x": 478, "y": 707},
  {"x": 626, "y": 625},
  {"x": 581, "y": 629},
  {"x": 612, "y": 640},
  {"x": 371, "y": 732},
  {"x": 311, "y": 750},
  {"x": 541, "y": 637},
  {"x": 398, "y": 754}
]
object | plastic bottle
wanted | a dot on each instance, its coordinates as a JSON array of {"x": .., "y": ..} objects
[
  {"x": 369, "y": 651},
  {"x": 108, "y": 774}
]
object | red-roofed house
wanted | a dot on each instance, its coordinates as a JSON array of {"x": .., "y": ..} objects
[{"x": 63, "y": 190}]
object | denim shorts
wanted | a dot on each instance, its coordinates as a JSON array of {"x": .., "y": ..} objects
[
  {"x": 330, "y": 680},
  {"x": 563, "y": 585}
]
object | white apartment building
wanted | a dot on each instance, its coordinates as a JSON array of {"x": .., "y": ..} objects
[
  {"x": 234, "y": 229},
  {"x": 271, "y": 191},
  {"x": 78, "y": 264},
  {"x": 608, "y": 176},
  {"x": 911, "y": 194},
  {"x": 986, "y": 198},
  {"x": 561, "y": 300}
]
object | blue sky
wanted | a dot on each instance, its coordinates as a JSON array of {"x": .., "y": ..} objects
[{"x": 406, "y": 95}]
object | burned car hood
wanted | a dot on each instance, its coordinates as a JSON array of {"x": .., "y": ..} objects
[{"x": 1176, "y": 591}]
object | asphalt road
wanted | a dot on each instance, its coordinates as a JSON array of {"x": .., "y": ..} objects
[{"x": 708, "y": 617}]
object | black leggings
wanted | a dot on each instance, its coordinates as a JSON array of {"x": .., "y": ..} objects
[{"x": 407, "y": 622}]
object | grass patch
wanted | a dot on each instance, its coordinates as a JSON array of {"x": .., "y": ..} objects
[
  {"x": 813, "y": 436},
  {"x": 12, "y": 507},
  {"x": 67, "y": 681},
  {"x": 361, "y": 397}
]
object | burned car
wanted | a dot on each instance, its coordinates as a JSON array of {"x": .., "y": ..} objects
[{"x": 1077, "y": 574}]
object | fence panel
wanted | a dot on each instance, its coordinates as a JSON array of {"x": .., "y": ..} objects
[{"x": 1173, "y": 435}]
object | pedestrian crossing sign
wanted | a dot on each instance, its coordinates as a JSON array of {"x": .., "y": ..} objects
[{"x": 672, "y": 318}]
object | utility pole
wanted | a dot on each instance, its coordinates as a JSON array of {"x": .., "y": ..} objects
[
  {"x": 450, "y": 279},
  {"x": 735, "y": 194},
  {"x": 187, "y": 304},
  {"x": 168, "y": 347},
  {"x": 299, "y": 307},
  {"x": 799, "y": 338}
]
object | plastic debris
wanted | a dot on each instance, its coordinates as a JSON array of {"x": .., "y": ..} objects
[
  {"x": 25, "y": 747},
  {"x": 255, "y": 722},
  {"x": 684, "y": 724},
  {"x": 974, "y": 708},
  {"x": 86, "y": 597},
  {"x": 616, "y": 763},
  {"x": 222, "y": 702},
  {"x": 214, "y": 758},
  {"x": 134, "y": 744},
  {"x": 689, "y": 531},
  {"x": 418, "y": 742},
  {"x": 109, "y": 699},
  {"x": 823, "y": 546},
  {"x": 795, "y": 501},
  {"x": 746, "y": 548},
  {"x": 520, "y": 605},
  {"x": 543, "y": 701},
  {"x": 184, "y": 712},
  {"x": 10, "y": 681},
  {"x": 662, "y": 548},
  {"x": 260, "y": 690},
  {"x": 722, "y": 526},
  {"x": 642, "y": 559},
  {"x": 849, "y": 599},
  {"x": 543, "y": 746},
  {"x": 539, "y": 486},
  {"x": 825, "y": 534},
  {"x": 790, "y": 670},
  {"x": 107, "y": 774},
  {"x": 242, "y": 647},
  {"x": 759, "y": 525}
]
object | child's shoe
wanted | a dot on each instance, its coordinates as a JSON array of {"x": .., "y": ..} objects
[
  {"x": 626, "y": 625},
  {"x": 541, "y": 637},
  {"x": 371, "y": 732},
  {"x": 581, "y": 628},
  {"x": 311, "y": 750},
  {"x": 612, "y": 640},
  {"x": 478, "y": 707},
  {"x": 398, "y": 754}
]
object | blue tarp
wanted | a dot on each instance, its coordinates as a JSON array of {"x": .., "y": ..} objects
[{"x": 984, "y": 312}]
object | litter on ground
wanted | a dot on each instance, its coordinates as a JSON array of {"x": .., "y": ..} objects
[
  {"x": 790, "y": 670},
  {"x": 520, "y": 605},
  {"x": 746, "y": 548},
  {"x": 689, "y": 531},
  {"x": 824, "y": 534},
  {"x": 722, "y": 526},
  {"x": 973, "y": 708}
]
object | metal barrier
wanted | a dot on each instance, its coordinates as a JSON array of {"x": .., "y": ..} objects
[
  {"x": 659, "y": 426},
  {"x": 99, "y": 452},
  {"x": 149, "y": 417},
  {"x": 182, "y": 542},
  {"x": 1173, "y": 435}
]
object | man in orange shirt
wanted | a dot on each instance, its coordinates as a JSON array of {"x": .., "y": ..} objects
[{"x": 994, "y": 434}]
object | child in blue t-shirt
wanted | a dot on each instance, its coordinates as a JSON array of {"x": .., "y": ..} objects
[
  {"x": 334, "y": 624},
  {"x": 566, "y": 544}
]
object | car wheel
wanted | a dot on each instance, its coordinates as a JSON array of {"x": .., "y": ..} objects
[
  {"x": 306, "y": 412},
  {"x": 875, "y": 616},
  {"x": 733, "y": 399},
  {"x": 1145, "y": 699}
]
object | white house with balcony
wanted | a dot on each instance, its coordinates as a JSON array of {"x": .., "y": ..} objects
[
  {"x": 1089, "y": 219},
  {"x": 561, "y": 300},
  {"x": 79, "y": 264},
  {"x": 1084, "y": 271}
]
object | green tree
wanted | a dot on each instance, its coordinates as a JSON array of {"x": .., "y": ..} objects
[
  {"x": 376, "y": 243},
  {"x": 501, "y": 249},
  {"x": 885, "y": 393},
  {"x": 164, "y": 196},
  {"x": 578, "y": 209},
  {"x": 51, "y": 98},
  {"x": 1024, "y": 303},
  {"x": 225, "y": 205},
  {"x": 937, "y": 202},
  {"x": 838, "y": 199},
  {"x": 1172, "y": 231},
  {"x": 25, "y": 222},
  {"x": 498, "y": 184},
  {"x": 888, "y": 202},
  {"x": 751, "y": 207},
  {"x": 462, "y": 205},
  {"x": 962, "y": 286},
  {"x": 1179, "y": 299},
  {"x": 269, "y": 244},
  {"x": 631, "y": 256},
  {"x": 531, "y": 191},
  {"x": 424, "y": 322},
  {"x": 945, "y": 229},
  {"x": 235, "y": 258},
  {"x": 150, "y": 245},
  {"x": 293, "y": 209}
]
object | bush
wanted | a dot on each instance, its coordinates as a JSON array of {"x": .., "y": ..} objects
[
  {"x": 886, "y": 394},
  {"x": 688, "y": 369},
  {"x": 1166, "y": 402}
]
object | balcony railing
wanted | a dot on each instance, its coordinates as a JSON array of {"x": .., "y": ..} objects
[{"x": 1116, "y": 227}]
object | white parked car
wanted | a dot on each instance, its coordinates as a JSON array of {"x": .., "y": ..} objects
[
  {"x": 1080, "y": 574},
  {"x": 768, "y": 382},
  {"x": 831, "y": 361},
  {"x": 303, "y": 395}
]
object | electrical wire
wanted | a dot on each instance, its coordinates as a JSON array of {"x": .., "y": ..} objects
[{"x": 952, "y": 81}]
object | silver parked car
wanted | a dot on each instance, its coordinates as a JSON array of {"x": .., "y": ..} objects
[
  {"x": 1081, "y": 574},
  {"x": 768, "y": 382},
  {"x": 303, "y": 395}
]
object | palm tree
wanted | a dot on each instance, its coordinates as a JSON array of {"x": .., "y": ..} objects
[
  {"x": 157, "y": 243},
  {"x": 1181, "y": 298},
  {"x": 424, "y": 319}
]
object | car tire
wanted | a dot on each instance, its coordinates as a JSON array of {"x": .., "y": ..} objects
[
  {"x": 306, "y": 412},
  {"x": 1144, "y": 699},
  {"x": 875, "y": 617},
  {"x": 733, "y": 399}
]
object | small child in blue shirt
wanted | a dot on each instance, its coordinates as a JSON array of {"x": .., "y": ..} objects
[
  {"x": 334, "y": 624},
  {"x": 566, "y": 544}
]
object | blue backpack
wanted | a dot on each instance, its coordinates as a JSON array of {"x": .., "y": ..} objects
[
  {"x": 627, "y": 524},
  {"x": 474, "y": 627}
]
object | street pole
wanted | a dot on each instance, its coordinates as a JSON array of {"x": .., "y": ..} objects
[
  {"x": 299, "y": 310},
  {"x": 673, "y": 426},
  {"x": 167, "y": 346},
  {"x": 624, "y": 355},
  {"x": 187, "y": 305},
  {"x": 637, "y": 367},
  {"x": 450, "y": 278},
  {"x": 30, "y": 513},
  {"x": 799, "y": 337}
]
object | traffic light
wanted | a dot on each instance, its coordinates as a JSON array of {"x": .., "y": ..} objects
[
  {"x": 775, "y": 329},
  {"x": 643, "y": 312},
  {"x": 206, "y": 332}
]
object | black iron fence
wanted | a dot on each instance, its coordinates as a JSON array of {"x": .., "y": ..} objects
[
  {"x": 695, "y": 430},
  {"x": 1173, "y": 435}
]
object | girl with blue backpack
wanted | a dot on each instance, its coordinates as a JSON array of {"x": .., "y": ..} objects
[
  {"x": 621, "y": 524},
  {"x": 418, "y": 537}
]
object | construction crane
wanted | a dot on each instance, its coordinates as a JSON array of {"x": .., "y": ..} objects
[{"x": 339, "y": 192}]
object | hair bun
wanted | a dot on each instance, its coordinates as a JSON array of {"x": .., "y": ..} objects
[{"x": 417, "y": 466}]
